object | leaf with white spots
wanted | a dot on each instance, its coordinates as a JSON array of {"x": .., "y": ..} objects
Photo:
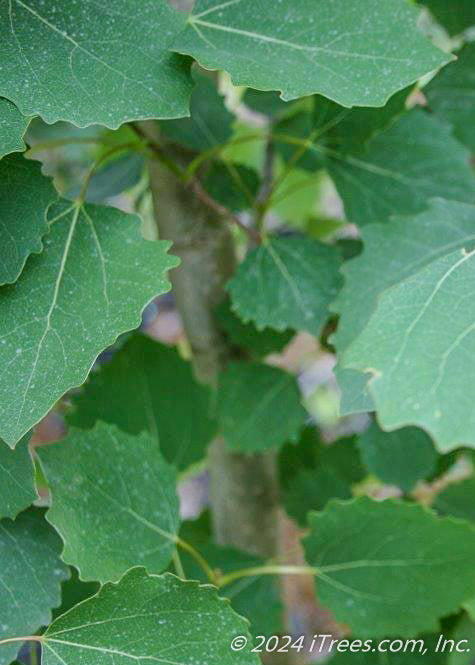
[
  {"x": 354, "y": 53},
  {"x": 392, "y": 252},
  {"x": 390, "y": 568},
  {"x": 287, "y": 282},
  {"x": 90, "y": 284},
  {"x": 25, "y": 195},
  {"x": 17, "y": 486},
  {"x": 149, "y": 618},
  {"x": 419, "y": 346},
  {"x": 13, "y": 126},
  {"x": 114, "y": 501},
  {"x": 31, "y": 573},
  {"x": 93, "y": 62}
]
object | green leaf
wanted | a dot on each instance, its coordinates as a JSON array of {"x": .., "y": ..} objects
[
  {"x": 457, "y": 500},
  {"x": 348, "y": 130},
  {"x": 257, "y": 600},
  {"x": 234, "y": 186},
  {"x": 419, "y": 346},
  {"x": 329, "y": 125},
  {"x": 17, "y": 487},
  {"x": 291, "y": 130},
  {"x": 96, "y": 274},
  {"x": 455, "y": 15},
  {"x": 13, "y": 126},
  {"x": 296, "y": 456},
  {"x": 210, "y": 123},
  {"x": 74, "y": 591},
  {"x": 117, "y": 176},
  {"x": 114, "y": 501},
  {"x": 32, "y": 573},
  {"x": 287, "y": 282},
  {"x": 148, "y": 618},
  {"x": 413, "y": 160},
  {"x": 399, "y": 458},
  {"x": 148, "y": 386},
  {"x": 463, "y": 634},
  {"x": 312, "y": 489},
  {"x": 266, "y": 103},
  {"x": 90, "y": 62},
  {"x": 400, "y": 573},
  {"x": 312, "y": 473},
  {"x": 392, "y": 253},
  {"x": 258, "y": 407},
  {"x": 355, "y": 397},
  {"x": 259, "y": 343},
  {"x": 25, "y": 195},
  {"x": 301, "y": 47},
  {"x": 451, "y": 95},
  {"x": 310, "y": 453}
]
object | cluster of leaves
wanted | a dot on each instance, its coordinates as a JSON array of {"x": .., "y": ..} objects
[{"x": 77, "y": 273}]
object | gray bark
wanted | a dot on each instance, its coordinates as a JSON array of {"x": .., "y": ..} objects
[{"x": 243, "y": 488}]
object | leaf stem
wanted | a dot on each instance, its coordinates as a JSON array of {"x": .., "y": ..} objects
[
  {"x": 178, "y": 565},
  {"x": 200, "y": 560},
  {"x": 26, "y": 638},
  {"x": 205, "y": 198},
  {"x": 256, "y": 571},
  {"x": 158, "y": 152},
  {"x": 213, "y": 152}
]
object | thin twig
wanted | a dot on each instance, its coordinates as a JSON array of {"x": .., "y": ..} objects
[
  {"x": 158, "y": 152},
  {"x": 205, "y": 198}
]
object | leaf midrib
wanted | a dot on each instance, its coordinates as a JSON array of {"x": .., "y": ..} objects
[{"x": 298, "y": 47}]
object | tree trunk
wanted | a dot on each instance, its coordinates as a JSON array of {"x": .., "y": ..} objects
[{"x": 243, "y": 488}]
